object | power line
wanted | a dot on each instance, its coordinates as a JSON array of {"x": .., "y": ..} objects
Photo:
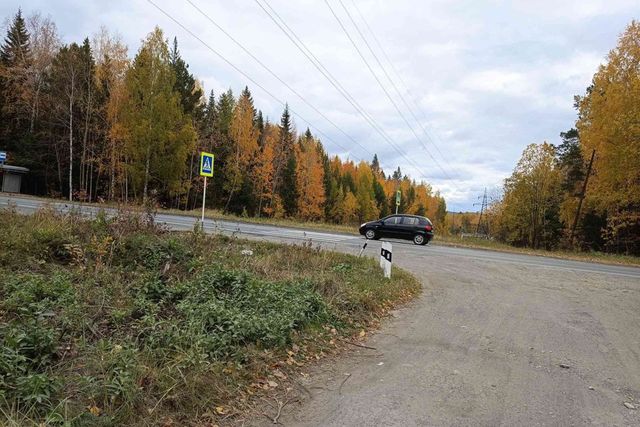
[
  {"x": 386, "y": 92},
  {"x": 218, "y": 54},
  {"x": 389, "y": 77},
  {"x": 293, "y": 37},
  {"x": 241, "y": 46}
]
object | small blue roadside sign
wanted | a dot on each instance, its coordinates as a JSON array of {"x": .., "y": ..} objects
[
  {"x": 206, "y": 164},
  {"x": 3, "y": 156}
]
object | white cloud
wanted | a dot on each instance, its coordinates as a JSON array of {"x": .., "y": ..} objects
[{"x": 490, "y": 77}]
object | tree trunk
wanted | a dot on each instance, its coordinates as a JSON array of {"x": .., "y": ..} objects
[
  {"x": 34, "y": 107},
  {"x": 83, "y": 166},
  {"x": 59, "y": 164},
  {"x": 71, "y": 142},
  {"x": 186, "y": 203},
  {"x": 146, "y": 174}
]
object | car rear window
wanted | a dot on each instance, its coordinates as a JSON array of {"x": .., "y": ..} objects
[
  {"x": 409, "y": 220},
  {"x": 425, "y": 221}
]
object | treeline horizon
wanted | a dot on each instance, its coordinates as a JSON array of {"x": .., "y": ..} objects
[{"x": 93, "y": 124}]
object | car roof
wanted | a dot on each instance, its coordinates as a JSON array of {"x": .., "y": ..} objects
[{"x": 409, "y": 215}]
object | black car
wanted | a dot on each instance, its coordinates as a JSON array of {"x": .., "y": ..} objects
[{"x": 409, "y": 227}]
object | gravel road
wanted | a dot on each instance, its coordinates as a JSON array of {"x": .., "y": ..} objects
[{"x": 485, "y": 345}]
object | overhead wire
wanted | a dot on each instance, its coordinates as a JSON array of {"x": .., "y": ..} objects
[
  {"x": 252, "y": 80},
  {"x": 293, "y": 37},
  {"x": 402, "y": 82},
  {"x": 270, "y": 71},
  {"x": 384, "y": 89}
]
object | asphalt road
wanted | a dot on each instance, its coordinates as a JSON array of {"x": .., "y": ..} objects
[{"x": 483, "y": 344}]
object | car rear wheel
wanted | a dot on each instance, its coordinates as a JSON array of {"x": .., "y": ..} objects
[
  {"x": 419, "y": 239},
  {"x": 370, "y": 234}
]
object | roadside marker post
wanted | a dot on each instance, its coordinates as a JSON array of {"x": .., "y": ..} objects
[
  {"x": 206, "y": 170},
  {"x": 3, "y": 157},
  {"x": 386, "y": 255}
]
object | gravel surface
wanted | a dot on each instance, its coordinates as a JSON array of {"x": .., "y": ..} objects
[{"x": 489, "y": 343}]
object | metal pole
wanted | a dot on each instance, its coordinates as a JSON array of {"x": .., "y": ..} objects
[
  {"x": 204, "y": 198},
  {"x": 396, "y": 209}
]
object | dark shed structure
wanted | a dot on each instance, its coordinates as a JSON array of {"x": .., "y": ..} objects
[{"x": 12, "y": 177}]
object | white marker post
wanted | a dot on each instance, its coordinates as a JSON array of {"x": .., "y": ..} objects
[
  {"x": 206, "y": 170},
  {"x": 385, "y": 259}
]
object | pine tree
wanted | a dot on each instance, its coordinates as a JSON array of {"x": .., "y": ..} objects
[
  {"x": 185, "y": 84},
  {"x": 244, "y": 147},
  {"x": 208, "y": 122},
  {"x": 15, "y": 62},
  {"x": 284, "y": 183},
  {"x": 289, "y": 190},
  {"x": 16, "y": 47},
  {"x": 375, "y": 164},
  {"x": 380, "y": 198},
  {"x": 263, "y": 174},
  {"x": 226, "y": 104},
  {"x": 570, "y": 161},
  {"x": 259, "y": 124},
  {"x": 397, "y": 175}
]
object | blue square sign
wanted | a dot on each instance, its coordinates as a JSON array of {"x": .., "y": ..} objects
[{"x": 206, "y": 164}]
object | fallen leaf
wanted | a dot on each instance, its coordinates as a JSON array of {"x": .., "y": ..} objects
[
  {"x": 272, "y": 384},
  {"x": 95, "y": 411},
  {"x": 362, "y": 333},
  {"x": 278, "y": 373},
  {"x": 220, "y": 410}
]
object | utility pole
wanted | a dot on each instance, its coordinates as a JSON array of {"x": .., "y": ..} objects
[
  {"x": 483, "y": 208},
  {"x": 581, "y": 195}
]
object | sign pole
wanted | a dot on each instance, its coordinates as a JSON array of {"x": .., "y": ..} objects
[
  {"x": 204, "y": 198},
  {"x": 206, "y": 170}
]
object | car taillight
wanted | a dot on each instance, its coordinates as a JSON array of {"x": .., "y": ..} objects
[{"x": 429, "y": 228}]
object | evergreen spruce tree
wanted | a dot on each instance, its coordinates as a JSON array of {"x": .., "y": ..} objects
[
  {"x": 185, "y": 85},
  {"x": 288, "y": 191},
  {"x": 15, "y": 60},
  {"x": 375, "y": 164},
  {"x": 15, "y": 49},
  {"x": 260, "y": 126},
  {"x": 570, "y": 161}
]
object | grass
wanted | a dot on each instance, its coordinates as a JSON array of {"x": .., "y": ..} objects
[
  {"x": 218, "y": 214},
  {"x": 599, "y": 257},
  {"x": 283, "y": 222},
  {"x": 114, "y": 321}
]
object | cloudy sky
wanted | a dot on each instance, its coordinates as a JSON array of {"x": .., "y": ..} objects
[{"x": 483, "y": 78}]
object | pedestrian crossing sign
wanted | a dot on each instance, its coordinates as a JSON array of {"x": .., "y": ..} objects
[{"x": 206, "y": 164}]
